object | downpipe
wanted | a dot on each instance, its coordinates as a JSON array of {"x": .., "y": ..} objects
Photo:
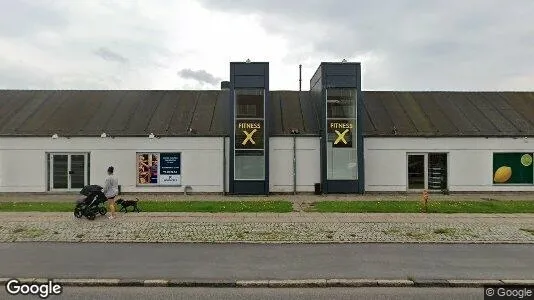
[
  {"x": 224, "y": 166},
  {"x": 294, "y": 165}
]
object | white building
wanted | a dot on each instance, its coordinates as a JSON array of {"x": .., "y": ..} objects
[{"x": 163, "y": 141}]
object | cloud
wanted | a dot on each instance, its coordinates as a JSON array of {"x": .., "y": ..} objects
[
  {"x": 201, "y": 76},
  {"x": 109, "y": 55},
  {"x": 423, "y": 45}
]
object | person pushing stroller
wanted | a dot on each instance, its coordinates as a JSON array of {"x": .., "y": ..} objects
[{"x": 111, "y": 190}]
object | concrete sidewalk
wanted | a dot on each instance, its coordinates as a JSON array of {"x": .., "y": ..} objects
[{"x": 270, "y": 228}]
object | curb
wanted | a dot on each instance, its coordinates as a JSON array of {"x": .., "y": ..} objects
[{"x": 293, "y": 283}]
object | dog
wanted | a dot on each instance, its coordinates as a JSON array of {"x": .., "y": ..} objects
[{"x": 127, "y": 203}]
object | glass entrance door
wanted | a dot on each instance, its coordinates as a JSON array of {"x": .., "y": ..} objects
[
  {"x": 68, "y": 171},
  {"x": 416, "y": 171},
  {"x": 427, "y": 171}
]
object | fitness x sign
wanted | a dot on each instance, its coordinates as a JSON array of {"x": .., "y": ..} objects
[
  {"x": 342, "y": 130},
  {"x": 249, "y": 134}
]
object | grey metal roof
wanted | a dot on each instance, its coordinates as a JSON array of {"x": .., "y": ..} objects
[{"x": 172, "y": 113}]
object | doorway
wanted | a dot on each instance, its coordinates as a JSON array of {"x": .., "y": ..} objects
[
  {"x": 67, "y": 171},
  {"x": 427, "y": 171}
]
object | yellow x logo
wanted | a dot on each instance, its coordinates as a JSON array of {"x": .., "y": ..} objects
[
  {"x": 341, "y": 137},
  {"x": 249, "y": 137}
]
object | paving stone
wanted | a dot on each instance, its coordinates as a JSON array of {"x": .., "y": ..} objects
[{"x": 281, "y": 229}]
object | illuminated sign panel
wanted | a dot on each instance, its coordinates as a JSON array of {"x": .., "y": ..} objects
[
  {"x": 342, "y": 133},
  {"x": 249, "y": 134}
]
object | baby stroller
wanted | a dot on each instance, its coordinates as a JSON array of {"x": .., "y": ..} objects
[{"x": 91, "y": 202}]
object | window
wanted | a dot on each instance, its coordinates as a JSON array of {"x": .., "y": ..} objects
[
  {"x": 341, "y": 139},
  {"x": 249, "y": 103},
  {"x": 249, "y": 135},
  {"x": 513, "y": 168},
  {"x": 341, "y": 103}
]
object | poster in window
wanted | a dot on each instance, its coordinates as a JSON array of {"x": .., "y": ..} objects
[
  {"x": 170, "y": 173},
  {"x": 249, "y": 134},
  {"x": 513, "y": 168},
  {"x": 340, "y": 132},
  {"x": 147, "y": 166}
]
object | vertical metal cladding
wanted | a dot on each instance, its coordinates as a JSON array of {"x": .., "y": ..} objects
[
  {"x": 249, "y": 115},
  {"x": 336, "y": 92}
]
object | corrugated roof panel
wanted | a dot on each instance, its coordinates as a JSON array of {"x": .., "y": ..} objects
[
  {"x": 90, "y": 107},
  {"x": 15, "y": 121},
  {"x": 379, "y": 116},
  {"x": 311, "y": 123},
  {"x": 159, "y": 121},
  {"x": 475, "y": 116},
  {"x": 415, "y": 112},
  {"x": 454, "y": 113},
  {"x": 38, "y": 121},
  {"x": 201, "y": 121},
  {"x": 64, "y": 118},
  {"x": 14, "y": 101},
  {"x": 291, "y": 112},
  {"x": 368, "y": 126},
  {"x": 276, "y": 127},
  {"x": 491, "y": 114},
  {"x": 221, "y": 115},
  {"x": 508, "y": 112},
  {"x": 140, "y": 119},
  {"x": 112, "y": 115},
  {"x": 522, "y": 104},
  {"x": 439, "y": 120},
  {"x": 182, "y": 116},
  {"x": 398, "y": 116}
]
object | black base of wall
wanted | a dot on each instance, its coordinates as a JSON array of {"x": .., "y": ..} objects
[
  {"x": 341, "y": 187},
  {"x": 250, "y": 188}
]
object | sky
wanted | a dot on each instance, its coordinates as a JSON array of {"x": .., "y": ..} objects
[{"x": 417, "y": 45}]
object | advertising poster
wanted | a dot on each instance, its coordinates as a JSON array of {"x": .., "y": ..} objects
[
  {"x": 148, "y": 168},
  {"x": 513, "y": 168},
  {"x": 170, "y": 173}
]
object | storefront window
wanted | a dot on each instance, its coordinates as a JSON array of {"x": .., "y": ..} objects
[{"x": 341, "y": 149}]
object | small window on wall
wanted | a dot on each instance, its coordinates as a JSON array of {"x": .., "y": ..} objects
[
  {"x": 155, "y": 169},
  {"x": 513, "y": 168}
]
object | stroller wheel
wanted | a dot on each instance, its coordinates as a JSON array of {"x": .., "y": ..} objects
[
  {"x": 102, "y": 210},
  {"x": 77, "y": 212},
  {"x": 90, "y": 215}
]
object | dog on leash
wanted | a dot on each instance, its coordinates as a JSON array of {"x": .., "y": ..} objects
[{"x": 128, "y": 203}]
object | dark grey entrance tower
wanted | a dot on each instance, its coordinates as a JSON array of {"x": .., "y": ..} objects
[
  {"x": 337, "y": 97},
  {"x": 249, "y": 145}
]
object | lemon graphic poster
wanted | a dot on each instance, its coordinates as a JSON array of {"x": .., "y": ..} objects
[{"x": 513, "y": 168}]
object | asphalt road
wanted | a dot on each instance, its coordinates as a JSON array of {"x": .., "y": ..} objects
[
  {"x": 266, "y": 261},
  {"x": 118, "y": 293}
]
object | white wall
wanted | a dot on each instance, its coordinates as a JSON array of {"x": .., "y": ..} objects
[
  {"x": 470, "y": 161},
  {"x": 23, "y": 161},
  {"x": 281, "y": 164}
]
